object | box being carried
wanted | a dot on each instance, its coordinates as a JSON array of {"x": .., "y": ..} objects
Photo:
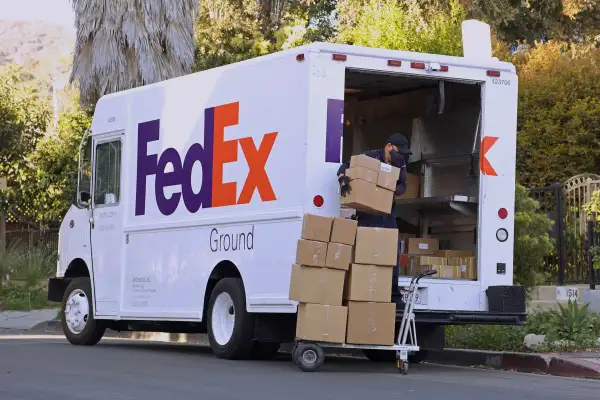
[{"x": 372, "y": 185}]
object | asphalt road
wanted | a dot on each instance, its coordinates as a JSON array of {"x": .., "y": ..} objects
[{"x": 49, "y": 368}]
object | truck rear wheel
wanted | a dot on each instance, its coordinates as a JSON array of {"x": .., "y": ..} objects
[
  {"x": 77, "y": 316},
  {"x": 230, "y": 326}
]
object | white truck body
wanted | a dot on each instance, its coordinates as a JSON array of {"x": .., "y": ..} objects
[{"x": 217, "y": 168}]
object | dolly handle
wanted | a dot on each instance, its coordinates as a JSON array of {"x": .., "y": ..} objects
[{"x": 431, "y": 272}]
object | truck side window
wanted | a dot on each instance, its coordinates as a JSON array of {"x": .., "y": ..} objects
[{"x": 107, "y": 181}]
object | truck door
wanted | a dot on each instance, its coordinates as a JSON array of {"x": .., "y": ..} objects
[{"x": 106, "y": 222}]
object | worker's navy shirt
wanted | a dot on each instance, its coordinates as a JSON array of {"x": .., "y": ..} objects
[{"x": 381, "y": 221}]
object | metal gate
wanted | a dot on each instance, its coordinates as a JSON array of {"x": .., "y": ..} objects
[{"x": 573, "y": 231}]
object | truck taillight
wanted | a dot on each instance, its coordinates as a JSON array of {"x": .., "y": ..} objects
[
  {"x": 444, "y": 68},
  {"x": 339, "y": 57},
  {"x": 394, "y": 63},
  {"x": 300, "y": 57},
  {"x": 494, "y": 74},
  {"x": 318, "y": 201},
  {"x": 502, "y": 213},
  {"x": 417, "y": 65}
]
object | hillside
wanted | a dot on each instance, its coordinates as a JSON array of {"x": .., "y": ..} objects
[{"x": 24, "y": 42}]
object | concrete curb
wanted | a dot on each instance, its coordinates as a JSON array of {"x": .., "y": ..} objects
[{"x": 567, "y": 365}]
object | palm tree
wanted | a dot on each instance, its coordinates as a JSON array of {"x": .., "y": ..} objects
[{"x": 122, "y": 44}]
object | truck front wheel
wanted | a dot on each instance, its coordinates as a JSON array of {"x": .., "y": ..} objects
[
  {"x": 77, "y": 316},
  {"x": 230, "y": 327}
]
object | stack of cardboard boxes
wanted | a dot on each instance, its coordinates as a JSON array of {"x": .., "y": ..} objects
[
  {"x": 342, "y": 280},
  {"x": 372, "y": 185},
  {"x": 420, "y": 255}
]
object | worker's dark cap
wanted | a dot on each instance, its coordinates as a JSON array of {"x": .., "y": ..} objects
[{"x": 401, "y": 142}]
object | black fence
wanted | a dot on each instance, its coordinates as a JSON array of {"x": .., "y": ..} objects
[
  {"x": 33, "y": 238},
  {"x": 570, "y": 262}
]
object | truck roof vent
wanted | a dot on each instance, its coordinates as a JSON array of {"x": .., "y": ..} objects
[{"x": 477, "y": 40}]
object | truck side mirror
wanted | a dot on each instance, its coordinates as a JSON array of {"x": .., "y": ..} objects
[{"x": 84, "y": 198}]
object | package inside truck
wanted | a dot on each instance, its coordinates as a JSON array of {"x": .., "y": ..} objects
[{"x": 441, "y": 119}]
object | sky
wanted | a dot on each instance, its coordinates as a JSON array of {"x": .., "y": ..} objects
[{"x": 58, "y": 12}]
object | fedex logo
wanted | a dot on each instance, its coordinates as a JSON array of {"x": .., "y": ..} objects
[{"x": 212, "y": 155}]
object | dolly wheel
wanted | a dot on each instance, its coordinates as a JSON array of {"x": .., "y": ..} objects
[
  {"x": 308, "y": 357},
  {"x": 402, "y": 366}
]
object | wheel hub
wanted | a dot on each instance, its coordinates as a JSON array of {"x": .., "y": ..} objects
[
  {"x": 77, "y": 311},
  {"x": 309, "y": 357},
  {"x": 223, "y": 318}
]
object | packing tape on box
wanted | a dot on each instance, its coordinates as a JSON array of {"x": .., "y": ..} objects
[
  {"x": 325, "y": 333},
  {"x": 371, "y": 325},
  {"x": 372, "y": 281},
  {"x": 338, "y": 251}
]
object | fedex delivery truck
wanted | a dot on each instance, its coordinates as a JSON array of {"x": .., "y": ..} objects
[{"x": 191, "y": 191}]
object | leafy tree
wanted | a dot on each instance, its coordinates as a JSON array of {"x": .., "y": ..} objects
[
  {"x": 55, "y": 165},
  {"x": 228, "y": 31},
  {"x": 559, "y": 112},
  {"x": 391, "y": 24},
  {"x": 23, "y": 121},
  {"x": 532, "y": 240},
  {"x": 516, "y": 21}
]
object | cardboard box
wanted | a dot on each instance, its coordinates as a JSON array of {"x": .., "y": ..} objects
[
  {"x": 388, "y": 176},
  {"x": 316, "y": 227},
  {"x": 311, "y": 253},
  {"x": 432, "y": 260},
  {"x": 344, "y": 231},
  {"x": 364, "y": 161},
  {"x": 339, "y": 256},
  {"x": 446, "y": 271},
  {"x": 322, "y": 323},
  {"x": 467, "y": 266},
  {"x": 376, "y": 246},
  {"x": 317, "y": 285},
  {"x": 362, "y": 174},
  {"x": 367, "y": 197},
  {"x": 369, "y": 283},
  {"x": 454, "y": 253},
  {"x": 371, "y": 323},
  {"x": 420, "y": 246},
  {"x": 413, "y": 187}
]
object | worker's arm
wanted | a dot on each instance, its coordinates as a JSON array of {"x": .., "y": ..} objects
[
  {"x": 343, "y": 167},
  {"x": 401, "y": 184}
]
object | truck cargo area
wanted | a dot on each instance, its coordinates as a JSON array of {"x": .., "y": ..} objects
[{"x": 441, "y": 119}]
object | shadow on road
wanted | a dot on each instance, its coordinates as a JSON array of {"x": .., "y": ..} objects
[{"x": 332, "y": 364}]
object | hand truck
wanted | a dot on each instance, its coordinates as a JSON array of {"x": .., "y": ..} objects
[{"x": 309, "y": 355}]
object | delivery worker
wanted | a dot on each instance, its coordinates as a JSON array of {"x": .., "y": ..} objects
[{"x": 394, "y": 153}]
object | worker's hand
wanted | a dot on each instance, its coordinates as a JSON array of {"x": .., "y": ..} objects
[{"x": 344, "y": 184}]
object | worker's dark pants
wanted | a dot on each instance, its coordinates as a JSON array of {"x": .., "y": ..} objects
[{"x": 383, "y": 221}]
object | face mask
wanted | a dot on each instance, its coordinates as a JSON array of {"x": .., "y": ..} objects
[{"x": 396, "y": 157}]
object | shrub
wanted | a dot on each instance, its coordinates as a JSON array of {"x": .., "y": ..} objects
[
  {"x": 571, "y": 327},
  {"x": 485, "y": 337},
  {"x": 532, "y": 240}
]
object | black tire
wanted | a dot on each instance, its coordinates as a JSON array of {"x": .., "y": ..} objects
[
  {"x": 309, "y": 357},
  {"x": 94, "y": 329},
  {"x": 380, "y": 355},
  {"x": 418, "y": 357},
  {"x": 240, "y": 344},
  {"x": 265, "y": 350}
]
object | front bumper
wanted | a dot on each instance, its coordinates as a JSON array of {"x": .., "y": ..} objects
[{"x": 57, "y": 288}]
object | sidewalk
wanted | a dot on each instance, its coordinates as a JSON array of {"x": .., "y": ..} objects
[
  {"x": 24, "y": 320},
  {"x": 576, "y": 365}
]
